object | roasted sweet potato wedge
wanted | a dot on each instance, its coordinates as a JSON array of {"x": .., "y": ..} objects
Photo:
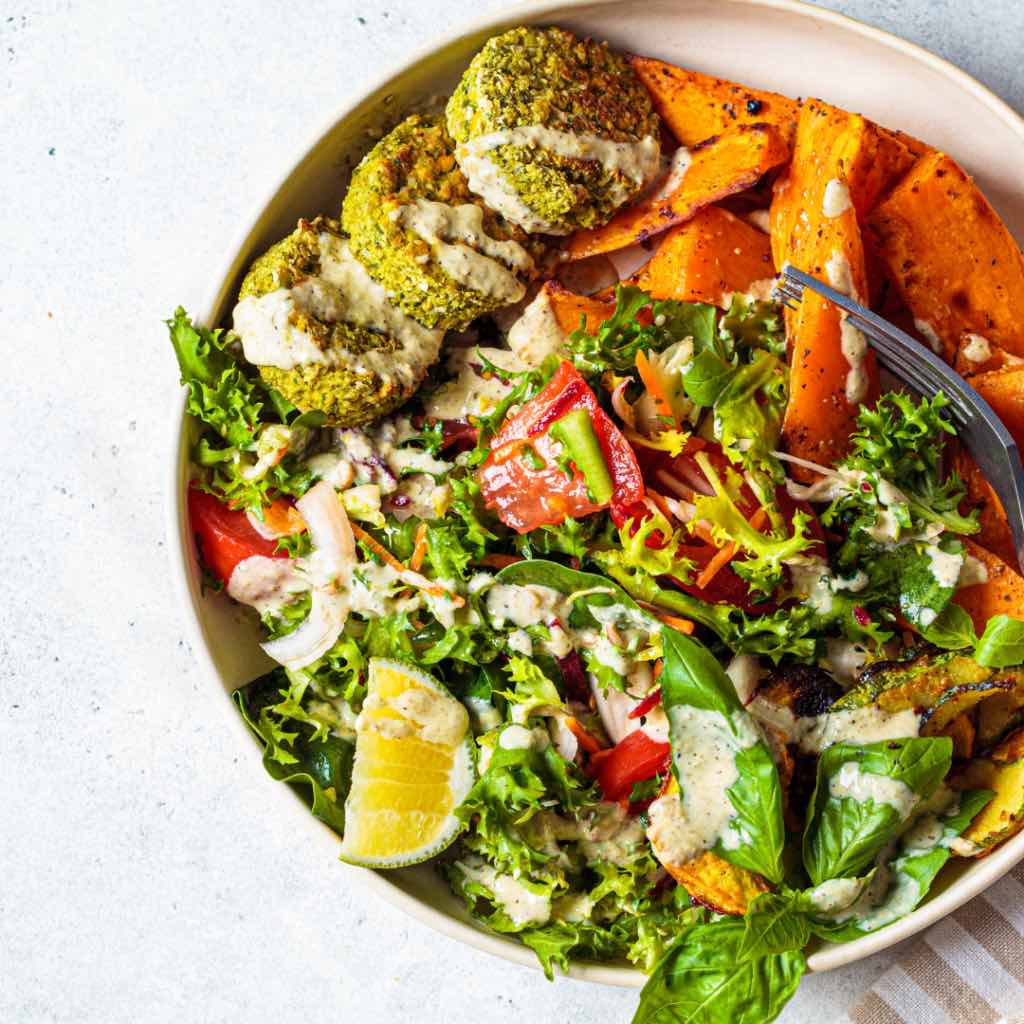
[
  {"x": 995, "y": 534},
  {"x": 720, "y": 166},
  {"x": 696, "y": 106},
  {"x": 569, "y": 308},
  {"x": 1001, "y": 594},
  {"x": 1003, "y": 772},
  {"x": 840, "y": 164},
  {"x": 708, "y": 258},
  {"x": 974, "y": 358},
  {"x": 717, "y": 884},
  {"x": 954, "y": 262}
]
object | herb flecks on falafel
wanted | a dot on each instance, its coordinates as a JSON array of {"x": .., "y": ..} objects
[
  {"x": 554, "y": 132},
  {"x": 324, "y": 334},
  {"x": 415, "y": 225}
]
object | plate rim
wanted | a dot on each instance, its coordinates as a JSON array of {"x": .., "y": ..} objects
[{"x": 179, "y": 544}]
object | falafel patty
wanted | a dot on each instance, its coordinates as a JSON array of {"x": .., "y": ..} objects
[
  {"x": 324, "y": 334},
  {"x": 553, "y": 132},
  {"x": 443, "y": 257}
]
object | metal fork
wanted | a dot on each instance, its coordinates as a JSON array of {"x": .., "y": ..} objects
[{"x": 980, "y": 429}]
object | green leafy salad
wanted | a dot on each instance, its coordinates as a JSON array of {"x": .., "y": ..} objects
[{"x": 639, "y": 685}]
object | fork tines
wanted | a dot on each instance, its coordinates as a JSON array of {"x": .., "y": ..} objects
[{"x": 978, "y": 427}]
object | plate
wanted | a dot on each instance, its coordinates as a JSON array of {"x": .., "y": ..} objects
[{"x": 782, "y": 45}]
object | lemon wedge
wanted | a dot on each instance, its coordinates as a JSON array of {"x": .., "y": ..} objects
[{"x": 413, "y": 767}]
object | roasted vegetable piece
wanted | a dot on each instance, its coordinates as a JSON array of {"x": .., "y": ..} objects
[
  {"x": 1003, "y": 390},
  {"x": 805, "y": 690},
  {"x": 996, "y": 717},
  {"x": 994, "y": 532},
  {"x": 706, "y": 259},
  {"x": 717, "y": 884},
  {"x": 1001, "y": 594},
  {"x": 954, "y": 262},
  {"x": 975, "y": 356},
  {"x": 923, "y": 681},
  {"x": 840, "y": 165},
  {"x": 712, "y": 881},
  {"x": 696, "y": 106},
  {"x": 720, "y": 167},
  {"x": 962, "y": 732},
  {"x": 955, "y": 702},
  {"x": 1002, "y": 772},
  {"x": 568, "y": 308}
]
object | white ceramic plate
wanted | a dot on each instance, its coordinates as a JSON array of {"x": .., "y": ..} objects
[{"x": 783, "y": 45}]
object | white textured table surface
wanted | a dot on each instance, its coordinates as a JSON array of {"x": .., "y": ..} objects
[{"x": 144, "y": 875}]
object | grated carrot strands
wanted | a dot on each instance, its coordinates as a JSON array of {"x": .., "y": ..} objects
[{"x": 419, "y": 551}]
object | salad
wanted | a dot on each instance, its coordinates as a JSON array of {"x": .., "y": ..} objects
[{"x": 634, "y": 603}]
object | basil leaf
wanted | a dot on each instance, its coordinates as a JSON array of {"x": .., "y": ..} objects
[
  {"x": 775, "y": 923},
  {"x": 952, "y": 630},
  {"x": 1002, "y": 643},
  {"x": 862, "y": 797},
  {"x": 896, "y": 888},
  {"x": 702, "y": 980},
  {"x": 694, "y": 686},
  {"x": 707, "y": 377}
]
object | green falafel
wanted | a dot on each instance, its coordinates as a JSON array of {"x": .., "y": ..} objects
[
  {"x": 324, "y": 334},
  {"x": 443, "y": 257},
  {"x": 554, "y": 132}
]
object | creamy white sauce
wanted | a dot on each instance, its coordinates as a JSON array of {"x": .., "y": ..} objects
[
  {"x": 470, "y": 393},
  {"x": 976, "y": 349},
  {"x": 852, "y": 342},
  {"x": 341, "y": 292},
  {"x": 927, "y": 332},
  {"x": 637, "y": 162},
  {"x": 943, "y": 566},
  {"x": 836, "y": 200},
  {"x": 677, "y": 168},
  {"x": 974, "y": 571},
  {"x": 537, "y": 333},
  {"x": 523, "y": 906},
  {"x": 465, "y": 251},
  {"x": 621, "y": 847},
  {"x": 266, "y": 584},
  {"x": 813, "y": 733},
  {"x": 844, "y": 659},
  {"x": 704, "y": 749},
  {"x": 852, "y": 782},
  {"x": 529, "y": 605},
  {"x": 330, "y": 466},
  {"x": 836, "y": 894},
  {"x": 430, "y": 717},
  {"x": 811, "y": 581}
]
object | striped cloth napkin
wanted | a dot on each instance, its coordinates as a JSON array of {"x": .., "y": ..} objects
[{"x": 967, "y": 969}]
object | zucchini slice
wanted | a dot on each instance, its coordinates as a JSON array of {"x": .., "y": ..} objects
[{"x": 1002, "y": 772}]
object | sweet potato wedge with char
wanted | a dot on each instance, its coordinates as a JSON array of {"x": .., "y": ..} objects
[
  {"x": 707, "y": 258},
  {"x": 814, "y": 226},
  {"x": 954, "y": 262},
  {"x": 1001, "y": 594},
  {"x": 569, "y": 308},
  {"x": 995, "y": 534},
  {"x": 696, "y": 106},
  {"x": 1004, "y": 391},
  {"x": 975, "y": 354},
  {"x": 718, "y": 167}
]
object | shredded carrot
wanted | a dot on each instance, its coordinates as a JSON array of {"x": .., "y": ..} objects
[
  {"x": 647, "y": 374},
  {"x": 499, "y": 561},
  {"x": 389, "y": 559},
  {"x": 585, "y": 739},
  {"x": 726, "y": 554},
  {"x": 419, "y": 551},
  {"x": 659, "y": 500},
  {"x": 283, "y": 517},
  {"x": 683, "y": 625},
  {"x": 658, "y": 666}
]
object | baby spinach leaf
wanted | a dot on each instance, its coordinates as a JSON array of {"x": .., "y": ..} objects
[
  {"x": 298, "y": 749},
  {"x": 701, "y": 979},
  {"x": 952, "y": 630},
  {"x": 862, "y": 797}
]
